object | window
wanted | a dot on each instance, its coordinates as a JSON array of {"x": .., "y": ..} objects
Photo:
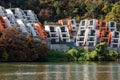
[
  {"x": 115, "y": 45},
  {"x": 91, "y": 22},
  {"x": 92, "y": 33},
  {"x": 64, "y": 35},
  {"x": 53, "y": 41},
  {"x": 112, "y": 24},
  {"x": 52, "y": 29},
  {"x": 103, "y": 24},
  {"x": 91, "y": 39},
  {"x": 62, "y": 29},
  {"x": 82, "y": 33},
  {"x": 80, "y": 44},
  {"x": 81, "y": 39},
  {"x": 116, "y": 34},
  {"x": 72, "y": 22},
  {"x": 90, "y": 44},
  {"x": 53, "y": 35},
  {"x": 13, "y": 10},
  {"x": 115, "y": 41},
  {"x": 73, "y": 27},
  {"x": 106, "y": 34},
  {"x": 64, "y": 40},
  {"x": 83, "y": 23}
]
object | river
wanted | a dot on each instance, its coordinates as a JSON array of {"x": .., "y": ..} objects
[{"x": 60, "y": 71}]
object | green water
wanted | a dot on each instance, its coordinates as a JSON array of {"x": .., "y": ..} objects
[{"x": 60, "y": 71}]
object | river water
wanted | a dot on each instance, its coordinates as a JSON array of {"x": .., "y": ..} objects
[{"x": 60, "y": 71}]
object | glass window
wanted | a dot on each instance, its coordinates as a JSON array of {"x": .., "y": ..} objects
[
  {"x": 80, "y": 44},
  {"x": 64, "y": 35},
  {"x": 13, "y": 10},
  {"x": 115, "y": 40},
  {"x": 90, "y": 44},
  {"x": 64, "y": 40},
  {"x": 81, "y": 39},
  {"x": 116, "y": 34},
  {"x": 83, "y": 23},
  {"x": 53, "y": 35},
  {"x": 92, "y": 32},
  {"x": 62, "y": 29},
  {"x": 82, "y": 33},
  {"x": 52, "y": 29},
  {"x": 91, "y": 22},
  {"x": 72, "y": 22},
  {"x": 91, "y": 39},
  {"x": 112, "y": 24},
  {"x": 114, "y": 45}
]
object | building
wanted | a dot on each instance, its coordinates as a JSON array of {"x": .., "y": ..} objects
[
  {"x": 115, "y": 41},
  {"x": 70, "y": 23},
  {"x": 83, "y": 24},
  {"x": 65, "y": 33},
  {"x": 59, "y": 36},
  {"x": 31, "y": 16},
  {"x": 2, "y": 11}
]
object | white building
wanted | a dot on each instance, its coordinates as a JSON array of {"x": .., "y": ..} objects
[
  {"x": 7, "y": 22},
  {"x": 18, "y": 13},
  {"x": 115, "y": 41},
  {"x": 21, "y": 26},
  {"x": 11, "y": 17},
  {"x": 73, "y": 24},
  {"x": 31, "y": 16},
  {"x": 92, "y": 38},
  {"x": 32, "y": 30},
  {"x": 86, "y": 38},
  {"x": 59, "y": 36},
  {"x": 53, "y": 33},
  {"x": 80, "y": 38},
  {"x": 92, "y": 24},
  {"x": 83, "y": 24},
  {"x": 64, "y": 34},
  {"x": 2, "y": 11}
]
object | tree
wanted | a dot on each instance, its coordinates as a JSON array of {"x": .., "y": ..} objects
[
  {"x": 114, "y": 14},
  {"x": 19, "y": 49},
  {"x": 74, "y": 52}
]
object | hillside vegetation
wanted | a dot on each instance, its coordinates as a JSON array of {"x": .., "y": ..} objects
[{"x": 52, "y": 10}]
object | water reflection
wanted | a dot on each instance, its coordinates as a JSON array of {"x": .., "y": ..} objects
[{"x": 47, "y": 71}]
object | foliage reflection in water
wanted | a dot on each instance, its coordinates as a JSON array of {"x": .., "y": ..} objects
[{"x": 59, "y": 71}]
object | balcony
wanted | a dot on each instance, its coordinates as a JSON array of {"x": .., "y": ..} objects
[
  {"x": 52, "y": 29},
  {"x": 91, "y": 23},
  {"x": 115, "y": 41},
  {"x": 116, "y": 35},
  {"x": 72, "y": 22},
  {"x": 80, "y": 39},
  {"x": 115, "y": 45},
  {"x": 91, "y": 44},
  {"x": 53, "y": 41},
  {"x": 90, "y": 39},
  {"x": 83, "y": 23},
  {"x": 112, "y": 24},
  {"x": 80, "y": 44},
  {"x": 63, "y": 29}
]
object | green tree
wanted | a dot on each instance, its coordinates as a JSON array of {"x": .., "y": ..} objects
[
  {"x": 114, "y": 14},
  {"x": 74, "y": 52}
]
